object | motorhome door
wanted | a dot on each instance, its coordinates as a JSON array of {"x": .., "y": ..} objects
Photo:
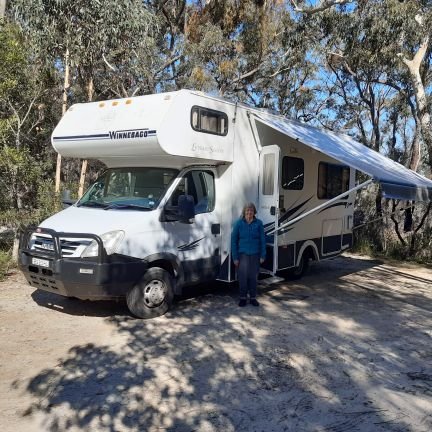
[{"x": 268, "y": 206}]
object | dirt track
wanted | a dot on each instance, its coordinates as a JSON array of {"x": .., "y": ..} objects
[{"x": 349, "y": 348}]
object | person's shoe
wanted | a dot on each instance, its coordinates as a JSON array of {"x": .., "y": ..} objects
[
  {"x": 242, "y": 303},
  {"x": 254, "y": 302}
]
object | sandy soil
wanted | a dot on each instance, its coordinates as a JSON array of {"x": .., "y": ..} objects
[{"x": 348, "y": 348}]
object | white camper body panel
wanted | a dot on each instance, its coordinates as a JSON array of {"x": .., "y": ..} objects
[
  {"x": 327, "y": 232},
  {"x": 153, "y": 130}
]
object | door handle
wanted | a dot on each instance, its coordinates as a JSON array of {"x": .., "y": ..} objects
[{"x": 215, "y": 229}]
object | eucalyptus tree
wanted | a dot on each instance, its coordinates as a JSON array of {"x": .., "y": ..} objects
[
  {"x": 24, "y": 118},
  {"x": 246, "y": 50},
  {"x": 93, "y": 39},
  {"x": 379, "y": 53},
  {"x": 391, "y": 38}
]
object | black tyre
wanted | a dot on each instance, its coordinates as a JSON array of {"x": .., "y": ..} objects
[
  {"x": 153, "y": 295},
  {"x": 300, "y": 270}
]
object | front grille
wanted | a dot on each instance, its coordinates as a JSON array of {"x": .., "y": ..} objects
[{"x": 69, "y": 247}]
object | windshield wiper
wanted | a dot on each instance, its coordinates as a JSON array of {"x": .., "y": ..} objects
[
  {"x": 92, "y": 204},
  {"x": 126, "y": 206}
]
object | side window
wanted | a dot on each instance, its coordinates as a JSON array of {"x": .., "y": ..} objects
[
  {"x": 209, "y": 121},
  {"x": 268, "y": 174},
  {"x": 292, "y": 173},
  {"x": 332, "y": 180},
  {"x": 204, "y": 188},
  {"x": 201, "y": 186}
]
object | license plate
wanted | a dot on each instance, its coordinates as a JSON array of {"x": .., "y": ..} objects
[{"x": 40, "y": 262}]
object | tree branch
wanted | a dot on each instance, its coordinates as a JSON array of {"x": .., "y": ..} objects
[
  {"x": 168, "y": 63},
  {"x": 423, "y": 218},
  {"x": 108, "y": 64},
  {"x": 396, "y": 223},
  {"x": 246, "y": 75},
  {"x": 322, "y": 6}
]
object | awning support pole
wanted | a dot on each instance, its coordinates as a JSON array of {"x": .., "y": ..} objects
[{"x": 315, "y": 209}]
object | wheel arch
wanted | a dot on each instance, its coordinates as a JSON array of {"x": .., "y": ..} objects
[
  {"x": 170, "y": 263},
  {"x": 309, "y": 250}
]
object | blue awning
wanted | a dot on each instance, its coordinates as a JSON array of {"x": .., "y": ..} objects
[{"x": 396, "y": 180}]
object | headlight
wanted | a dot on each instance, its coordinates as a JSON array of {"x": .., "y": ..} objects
[{"x": 110, "y": 240}]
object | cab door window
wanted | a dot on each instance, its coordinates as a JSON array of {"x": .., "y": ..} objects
[{"x": 201, "y": 186}]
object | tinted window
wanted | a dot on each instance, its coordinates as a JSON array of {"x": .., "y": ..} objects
[
  {"x": 209, "y": 121},
  {"x": 139, "y": 186},
  {"x": 332, "y": 180},
  {"x": 292, "y": 173},
  {"x": 201, "y": 186},
  {"x": 268, "y": 174}
]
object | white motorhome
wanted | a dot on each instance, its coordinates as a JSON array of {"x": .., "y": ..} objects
[{"x": 180, "y": 167}]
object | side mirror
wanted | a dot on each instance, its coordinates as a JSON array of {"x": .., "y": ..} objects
[
  {"x": 186, "y": 208},
  {"x": 68, "y": 202},
  {"x": 66, "y": 199}
]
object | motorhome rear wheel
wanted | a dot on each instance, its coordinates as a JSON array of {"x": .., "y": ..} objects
[{"x": 301, "y": 269}]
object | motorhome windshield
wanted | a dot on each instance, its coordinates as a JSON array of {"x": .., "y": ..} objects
[{"x": 129, "y": 188}]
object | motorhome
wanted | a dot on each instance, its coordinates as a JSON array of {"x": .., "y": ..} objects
[{"x": 179, "y": 168}]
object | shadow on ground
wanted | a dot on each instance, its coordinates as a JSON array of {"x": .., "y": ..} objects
[{"x": 339, "y": 351}]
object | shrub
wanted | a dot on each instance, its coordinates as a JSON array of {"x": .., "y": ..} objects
[{"x": 5, "y": 264}]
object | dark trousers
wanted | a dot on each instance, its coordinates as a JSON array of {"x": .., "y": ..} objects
[{"x": 248, "y": 274}]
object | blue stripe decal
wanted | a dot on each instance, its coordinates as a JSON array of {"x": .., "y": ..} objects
[
  {"x": 82, "y": 136},
  {"x": 343, "y": 203},
  {"x": 121, "y": 134},
  {"x": 189, "y": 246}
]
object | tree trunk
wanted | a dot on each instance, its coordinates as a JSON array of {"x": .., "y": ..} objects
[
  {"x": 380, "y": 224},
  {"x": 414, "y": 66},
  {"x": 423, "y": 109},
  {"x": 2, "y": 8},
  {"x": 64, "y": 109},
  {"x": 415, "y": 149},
  {"x": 15, "y": 247},
  {"x": 82, "y": 178},
  {"x": 90, "y": 91}
]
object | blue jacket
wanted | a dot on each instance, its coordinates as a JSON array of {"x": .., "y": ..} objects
[{"x": 248, "y": 239}]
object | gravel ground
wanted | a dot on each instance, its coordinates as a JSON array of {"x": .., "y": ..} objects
[{"x": 347, "y": 348}]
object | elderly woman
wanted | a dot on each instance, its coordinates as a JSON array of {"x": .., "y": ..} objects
[{"x": 248, "y": 251}]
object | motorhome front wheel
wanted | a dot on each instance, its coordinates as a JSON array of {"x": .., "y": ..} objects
[{"x": 153, "y": 295}]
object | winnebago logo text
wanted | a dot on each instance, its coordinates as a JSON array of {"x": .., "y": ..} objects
[{"x": 131, "y": 133}]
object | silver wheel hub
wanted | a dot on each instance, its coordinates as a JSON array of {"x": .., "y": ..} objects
[{"x": 154, "y": 293}]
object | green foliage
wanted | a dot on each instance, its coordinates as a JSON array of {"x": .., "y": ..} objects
[
  {"x": 12, "y": 61},
  {"x": 104, "y": 38},
  {"x": 377, "y": 235},
  {"x": 46, "y": 203},
  {"x": 5, "y": 264},
  {"x": 20, "y": 172},
  {"x": 362, "y": 244}
]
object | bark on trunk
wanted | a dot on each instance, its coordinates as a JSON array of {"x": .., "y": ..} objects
[
  {"x": 64, "y": 109},
  {"x": 90, "y": 91},
  {"x": 415, "y": 150},
  {"x": 82, "y": 178}
]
